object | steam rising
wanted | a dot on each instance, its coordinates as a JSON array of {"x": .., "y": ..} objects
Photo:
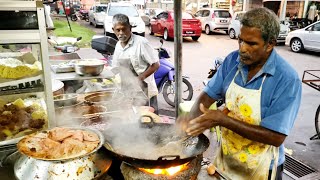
[{"x": 121, "y": 123}]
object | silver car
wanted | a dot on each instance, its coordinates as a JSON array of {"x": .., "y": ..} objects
[
  {"x": 235, "y": 25},
  {"x": 305, "y": 38},
  {"x": 214, "y": 19}
]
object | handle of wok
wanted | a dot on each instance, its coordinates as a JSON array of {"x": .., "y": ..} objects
[
  {"x": 108, "y": 146},
  {"x": 162, "y": 158},
  {"x": 147, "y": 124},
  {"x": 151, "y": 118}
]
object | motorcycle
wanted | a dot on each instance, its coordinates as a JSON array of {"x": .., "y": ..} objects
[
  {"x": 164, "y": 77},
  {"x": 84, "y": 15},
  {"x": 66, "y": 48},
  {"x": 217, "y": 63},
  {"x": 74, "y": 16}
]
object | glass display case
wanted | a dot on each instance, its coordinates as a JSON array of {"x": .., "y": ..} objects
[{"x": 26, "y": 99}]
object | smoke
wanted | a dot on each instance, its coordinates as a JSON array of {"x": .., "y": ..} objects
[{"x": 120, "y": 122}]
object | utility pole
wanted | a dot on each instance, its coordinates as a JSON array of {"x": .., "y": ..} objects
[{"x": 283, "y": 9}]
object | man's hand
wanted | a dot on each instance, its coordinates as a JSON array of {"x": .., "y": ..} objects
[
  {"x": 141, "y": 77},
  {"x": 208, "y": 119}
]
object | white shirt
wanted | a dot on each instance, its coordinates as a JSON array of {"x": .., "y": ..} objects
[{"x": 141, "y": 55}]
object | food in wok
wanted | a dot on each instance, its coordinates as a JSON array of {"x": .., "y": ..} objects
[{"x": 59, "y": 143}]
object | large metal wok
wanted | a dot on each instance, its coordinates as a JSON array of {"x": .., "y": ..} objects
[{"x": 142, "y": 146}]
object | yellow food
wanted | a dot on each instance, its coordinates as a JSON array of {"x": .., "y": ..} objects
[
  {"x": 38, "y": 115},
  {"x": 19, "y": 103},
  {"x": 14, "y": 69},
  {"x": 211, "y": 169},
  {"x": 6, "y": 113},
  {"x": 7, "y": 132}
]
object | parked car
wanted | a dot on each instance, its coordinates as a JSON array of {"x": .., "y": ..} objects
[
  {"x": 234, "y": 27},
  {"x": 150, "y": 13},
  {"x": 163, "y": 24},
  {"x": 305, "y": 38},
  {"x": 138, "y": 26},
  {"x": 97, "y": 14},
  {"x": 284, "y": 31},
  {"x": 214, "y": 19}
]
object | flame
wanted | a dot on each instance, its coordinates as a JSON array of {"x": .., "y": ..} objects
[{"x": 168, "y": 171}]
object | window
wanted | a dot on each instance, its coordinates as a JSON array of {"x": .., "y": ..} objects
[
  {"x": 184, "y": 15},
  {"x": 199, "y": 14},
  {"x": 316, "y": 27},
  {"x": 160, "y": 16},
  {"x": 239, "y": 16},
  {"x": 222, "y": 14},
  {"x": 101, "y": 9},
  {"x": 206, "y": 13},
  {"x": 127, "y": 10}
]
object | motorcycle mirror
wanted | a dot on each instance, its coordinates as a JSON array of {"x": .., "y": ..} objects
[
  {"x": 79, "y": 38},
  {"x": 161, "y": 41}
]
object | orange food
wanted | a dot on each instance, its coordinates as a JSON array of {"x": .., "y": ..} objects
[{"x": 59, "y": 143}]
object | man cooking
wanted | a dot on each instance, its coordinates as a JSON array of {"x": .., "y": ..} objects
[
  {"x": 262, "y": 94},
  {"x": 135, "y": 57}
]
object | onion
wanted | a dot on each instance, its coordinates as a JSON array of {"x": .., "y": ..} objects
[{"x": 211, "y": 169}]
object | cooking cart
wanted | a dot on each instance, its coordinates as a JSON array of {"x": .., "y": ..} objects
[{"x": 312, "y": 79}]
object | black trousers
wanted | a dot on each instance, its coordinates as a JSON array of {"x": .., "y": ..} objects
[{"x": 279, "y": 173}]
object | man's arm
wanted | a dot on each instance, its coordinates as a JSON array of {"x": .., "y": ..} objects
[
  {"x": 205, "y": 100},
  {"x": 253, "y": 132},
  {"x": 212, "y": 118},
  {"x": 203, "y": 119},
  {"x": 150, "y": 70}
]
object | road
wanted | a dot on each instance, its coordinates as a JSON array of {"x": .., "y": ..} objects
[{"x": 198, "y": 58}]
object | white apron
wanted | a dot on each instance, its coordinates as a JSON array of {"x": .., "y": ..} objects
[{"x": 237, "y": 157}]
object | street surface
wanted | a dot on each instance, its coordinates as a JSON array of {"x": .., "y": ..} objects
[{"x": 198, "y": 59}]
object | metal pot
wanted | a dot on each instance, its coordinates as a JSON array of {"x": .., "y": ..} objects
[
  {"x": 148, "y": 140},
  {"x": 89, "y": 67},
  {"x": 65, "y": 100},
  {"x": 88, "y": 166},
  {"x": 75, "y": 115},
  {"x": 112, "y": 100}
]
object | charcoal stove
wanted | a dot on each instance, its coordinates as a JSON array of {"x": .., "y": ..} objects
[{"x": 187, "y": 171}]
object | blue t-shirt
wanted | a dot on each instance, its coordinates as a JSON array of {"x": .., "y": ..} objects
[{"x": 280, "y": 96}]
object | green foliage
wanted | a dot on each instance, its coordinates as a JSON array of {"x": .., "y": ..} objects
[{"x": 63, "y": 30}]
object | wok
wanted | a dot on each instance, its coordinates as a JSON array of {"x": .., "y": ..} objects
[{"x": 141, "y": 146}]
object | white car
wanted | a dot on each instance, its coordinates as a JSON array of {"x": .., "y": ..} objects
[
  {"x": 213, "y": 19},
  {"x": 138, "y": 26},
  {"x": 234, "y": 27},
  {"x": 150, "y": 13},
  {"x": 305, "y": 38},
  {"x": 97, "y": 14}
]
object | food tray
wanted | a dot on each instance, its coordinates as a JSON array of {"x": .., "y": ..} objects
[
  {"x": 28, "y": 101},
  {"x": 97, "y": 132},
  {"x": 62, "y": 66}
]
